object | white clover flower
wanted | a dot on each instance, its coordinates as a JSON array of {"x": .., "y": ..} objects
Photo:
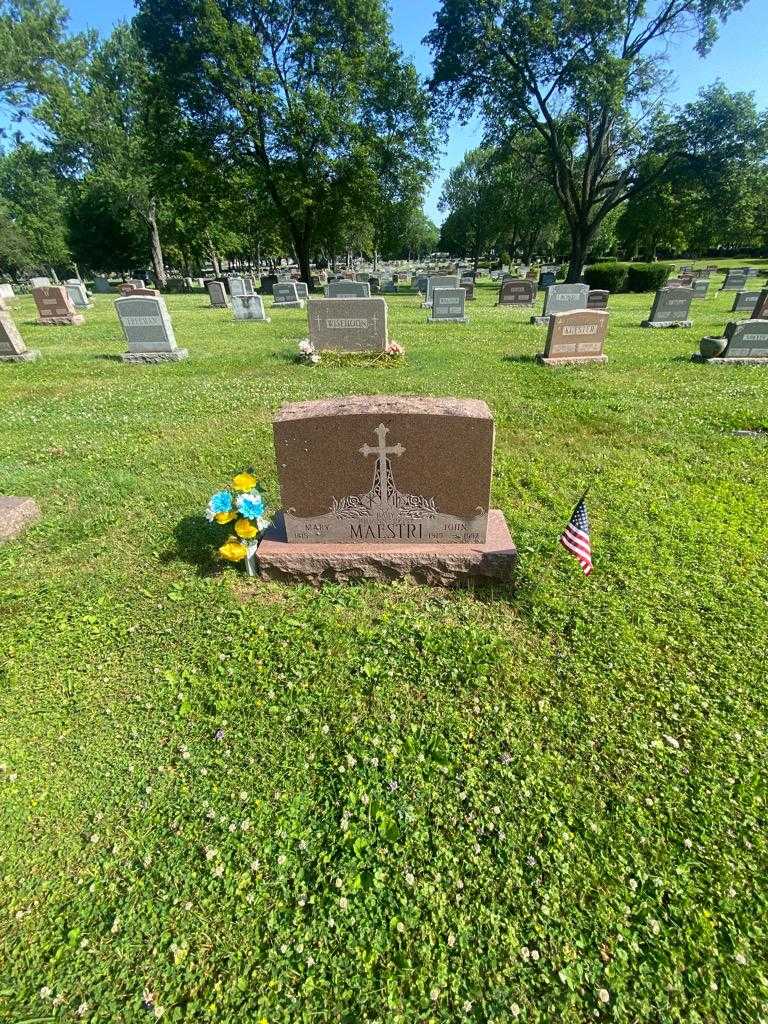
[
  {"x": 338, "y": 883},
  {"x": 400, "y": 927},
  {"x": 218, "y": 871},
  {"x": 467, "y": 1007},
  {"x": 451, "y": 940},
  {"x": 344, "y": 903},
  {"x": 525, "y": 953},
  {"x": 95, "y": 837},
  {"x": 281, "y": 859},
  {"x": 434, "y": 995},
  {"x": 514, "y": 1010},
  {"x": 410, "y": 877},
  {"x": 740, "y": 958},
  {"x": 210, "y": 853},
  {"x": 82, "y": 1009},
  {"x": 534, "y": 954},
  {"x": 243, "y": 795},
  {"x": 604, "y": 996},
  {"x": 45, "y": 992}
]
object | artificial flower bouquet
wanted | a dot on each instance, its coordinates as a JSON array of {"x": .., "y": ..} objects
[
  {"x": 308, "y": 353},
  {"x": 242, "y": 505}
]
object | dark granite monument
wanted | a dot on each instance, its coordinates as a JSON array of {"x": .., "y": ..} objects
[
  {"x": 385, "y": 486},
  {"x": 671, "y": 308},
  {"x": 744, "y": 343},
  {"x": 517, "y": 293}
]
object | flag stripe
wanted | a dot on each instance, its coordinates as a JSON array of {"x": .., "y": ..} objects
[{"x": 575, "y": 538}]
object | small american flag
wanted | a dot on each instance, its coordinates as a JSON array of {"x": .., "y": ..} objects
[{"x": 575, "y": 538}]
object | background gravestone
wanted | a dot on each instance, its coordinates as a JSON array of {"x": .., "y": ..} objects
[
  {"x": 148, "y": 330},
  {"x": 249, "y": 307},
  {"x": 286, "y": 296},
  {"x": 700, "y": 287},
  {"x": 384, "y": 486},
  {"x": 517, "y": 293},
  {"x": 345, "y": 289},
  {"x": 268, "y": 282},
  {"x": 735, "y": 280},
  {"x": 547, "y": 278},
  {"x": 6, "y": 291},
  {"x": 217, "y": 294},
  {"x": 744, "y": 302},
  {"x": 78, "y": 295},
  {"x": 760, "y": 312},
  {"x": 54, "y": 308},
  {"x": 745, "y": 342},
  {"x": 237, "y": 286},
  {"x": 575, "y": 337},
  {"x": 348, "y": 325},
  {"x": 39, "y": 282},
  {"x": 440, "y": 281},
  {"x": 671, "y": 308},
  {"x": 562, "y": 298},
  {"x": 597, "y": 298},
  {"x": 12, "y": 347},
  {"x": 447, "y": 306},
  {"x": 302, "y": 290}
]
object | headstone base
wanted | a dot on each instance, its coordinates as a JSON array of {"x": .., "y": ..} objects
[
  {"x": 15, "y": 515},
  {"x": 61, "y": 321},
  {"x": 697, "y": 357},
  {"x": 514, "y": 305},
  {"x": 541, "y": 358},
  {"x": 23, "y": 357},
  {"x": 288, "y": 305},
  {"x": 426, "y": 305},
  {"x": 540, "y": 321},
  {"x": 443, "y": 565},
  {"x": 155, "y": 357},
  {"x": 448, "y": 320},
  {"x": 667, "y": 323}
]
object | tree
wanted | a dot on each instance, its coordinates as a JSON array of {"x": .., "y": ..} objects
[
  {"x": 100, "y": 130},
  {"x": 473, "y": 194},
  {"x": 300, "y": 96},
  {"x": 584, "y": 76},
  {"x": 34, "y": 52},
  {"x": 37, "y": 202}
]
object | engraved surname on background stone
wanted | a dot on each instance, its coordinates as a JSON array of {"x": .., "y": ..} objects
[
  {"x": 754, "y": 337},
  {"x": 358, "y": 325},
  {"x": 583, "y": 329},
  {"x": 589, "y": 346},
  {"x": 142, "y": 321}
]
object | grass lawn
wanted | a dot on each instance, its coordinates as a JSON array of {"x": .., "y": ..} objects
[{"x": 229, "y": 801}]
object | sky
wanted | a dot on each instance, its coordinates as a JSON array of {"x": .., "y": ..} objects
[{"x": 737, "y": 58}]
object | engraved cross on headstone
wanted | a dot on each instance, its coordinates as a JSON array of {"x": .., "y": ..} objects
[{"x": 382, "y": 451}]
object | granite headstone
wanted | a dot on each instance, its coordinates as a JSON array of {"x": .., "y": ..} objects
[
  {"x": 148, "y": 330},
  {"x": 575, "y": 337},
  {"x": 671, "y": 308}
]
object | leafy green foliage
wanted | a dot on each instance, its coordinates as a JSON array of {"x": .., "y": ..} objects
[
  {"x": 234, "y": 801},
  {"x": 646, "y": 277},
  {"x": 611, "y": 275}
]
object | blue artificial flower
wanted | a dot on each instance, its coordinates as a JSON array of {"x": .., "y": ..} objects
[
  {"x": 220, "y": 502},
  {"x": 250, "y": 505}
]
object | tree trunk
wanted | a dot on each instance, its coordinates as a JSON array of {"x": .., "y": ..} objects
[
  {"x": 154, "y": 244},
  {"x": 302, "y": 249},
  {"x": 581, "y": 237}
]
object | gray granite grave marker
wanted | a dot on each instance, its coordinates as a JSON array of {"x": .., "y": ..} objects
[
  {"x": 249, "y": 307},
  {"x": 671, "y": 308},
  {"x": 148, "y": 330},
  {"x": 700, "y": 287},
  {"x": 345, "y": 289},
  {"x": 735, "y": 280},
  {"x": 562, "y": 298},
  {"x": 217, "y": 294},
  {"x": 517, "y": 293},
  {"x": 744, "y": 302},
  {"x": 286, "y": 295},
  {"x": 78, "y": 296},
  {"x": 448, "y": 306},
  {"x": 348, "y": 324},
  {"x": 598, "y": 298},
  {"x": 760, "y": 312},
  {"x": 745, "y": 343},
  {"x": 440, "y": 281}
]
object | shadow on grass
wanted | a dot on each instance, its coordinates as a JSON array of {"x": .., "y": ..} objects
[
  {"x": 110, "y": 358},
  {"x": 518, "y": 359},
  {"x": 197, "y": 541}
]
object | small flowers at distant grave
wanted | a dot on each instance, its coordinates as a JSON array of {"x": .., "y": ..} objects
[{"x": 243, "y": 505}]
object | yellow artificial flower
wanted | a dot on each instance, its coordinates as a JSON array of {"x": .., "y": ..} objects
[
  {"x": 225, "y": 517},
  {"x": 244, "y": 482},
  {"x": 244, "y": 528},
  {"x": 233, "y": 550}
]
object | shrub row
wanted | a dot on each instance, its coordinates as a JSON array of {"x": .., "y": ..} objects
[{"x": 627, "y": 277}]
